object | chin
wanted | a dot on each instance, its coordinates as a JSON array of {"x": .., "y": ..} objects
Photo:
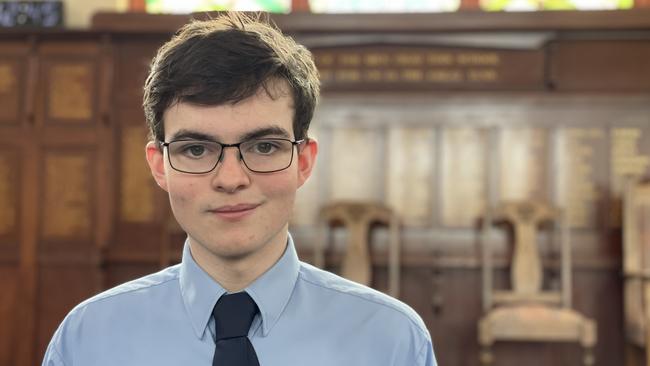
[{"x": 233, "y": 249}]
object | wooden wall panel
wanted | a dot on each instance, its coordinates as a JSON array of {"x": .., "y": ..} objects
[
  {"x": 133, "y": 57},
  {"x": 71, "y": 93},
  {"x": 9, "y": 203},
  {"x": 453, "y": 324},
  {"x": 12, "y": 89},
  {"x": 136, "y": 185},
  {"x": 605, "y": 65},
  {"x": 9, "y": 283},
  {"x": 68, "y": 196}
]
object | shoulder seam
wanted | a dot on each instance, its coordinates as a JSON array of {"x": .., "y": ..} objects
[
  {"x": 106, "y": 297},
  {"x": 418, "y": 326}
]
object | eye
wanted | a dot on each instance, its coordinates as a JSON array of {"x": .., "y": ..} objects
[
  {"x": 196, "y": 150},
  {"x": 264, "y": 147}
]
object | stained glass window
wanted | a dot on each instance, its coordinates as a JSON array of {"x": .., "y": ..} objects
[
  {"x": 533, "y": 5},
  {"x": 189, "y": 6},
  {"x": 383, "y": 6}
]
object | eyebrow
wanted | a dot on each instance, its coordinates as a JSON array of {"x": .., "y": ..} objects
[
  {"x": 264, "y": 132},
  {"x": 185, "y": 134}
]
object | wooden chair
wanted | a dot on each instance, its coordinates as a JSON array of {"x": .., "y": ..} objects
[
  {"x": 357, "y": 218},
  {"x": 527, "y": 312},
  {"x": 636, "y": 267}
]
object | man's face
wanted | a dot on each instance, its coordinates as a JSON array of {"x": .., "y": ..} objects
[{"x": 231, "y": 212}]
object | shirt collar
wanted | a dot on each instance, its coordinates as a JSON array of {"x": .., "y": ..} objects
[
  {"x": 199, "y": 291},
  {"x": 271, "y": 291}
]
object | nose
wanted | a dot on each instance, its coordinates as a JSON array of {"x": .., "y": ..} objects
[{"x": 230, "y": 174}]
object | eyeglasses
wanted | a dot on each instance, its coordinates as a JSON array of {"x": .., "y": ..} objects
[{"x": 266, "y": 155}]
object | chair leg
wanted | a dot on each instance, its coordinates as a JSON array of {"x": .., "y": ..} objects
[
  {"x": 486, "y": 358},
  {"x": 588, "y": 357}
]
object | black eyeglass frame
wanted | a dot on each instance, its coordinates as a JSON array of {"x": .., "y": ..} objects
[{"x": 241, "y": 156}]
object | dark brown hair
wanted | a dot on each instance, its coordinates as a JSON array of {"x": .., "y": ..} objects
[{"x": 226, "y": 60}]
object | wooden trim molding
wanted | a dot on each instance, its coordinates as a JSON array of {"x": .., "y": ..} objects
[{"x": 470, "y": 21}]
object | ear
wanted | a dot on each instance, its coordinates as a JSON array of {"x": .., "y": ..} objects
[
  {"x": 306, "y": 159},
  {"x": 156, "y": 160}
]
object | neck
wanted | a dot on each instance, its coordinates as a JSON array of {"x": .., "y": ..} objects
[{"x": 235, "y": 274}]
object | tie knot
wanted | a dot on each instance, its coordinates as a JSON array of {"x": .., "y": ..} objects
[{"x": 233, "y": 315}]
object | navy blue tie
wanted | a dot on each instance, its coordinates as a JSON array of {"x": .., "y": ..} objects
[{"x": 233, "y": 315}]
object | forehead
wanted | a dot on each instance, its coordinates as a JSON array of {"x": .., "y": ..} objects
[{"x": 230, "y": 122}]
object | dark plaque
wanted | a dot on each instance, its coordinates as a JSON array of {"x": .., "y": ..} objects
[
  {"x": 429, "y": 68},
  {"x": 601, "y": 65},
  {"x": 31, "y": 14}
]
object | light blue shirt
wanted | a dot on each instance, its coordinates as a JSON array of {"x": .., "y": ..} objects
[{"x": 307, "y": 317}]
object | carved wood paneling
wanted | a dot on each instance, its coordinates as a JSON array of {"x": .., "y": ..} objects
[
  {"x": 71, "y": 90},
  {"x": 137, "y": 185},
  {"x": 67, "y": 195},
  {"x": 9, "y": 282},
  {"x": 133, "y": 59},
  {"x": 9, "y": 183},
  {"x": 11, "y": 89}
]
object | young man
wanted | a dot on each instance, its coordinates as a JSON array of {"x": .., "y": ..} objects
[{"x": 229, "y": 102}]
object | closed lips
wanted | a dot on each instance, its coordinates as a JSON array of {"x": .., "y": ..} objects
[{"x": 235, "y": 208}]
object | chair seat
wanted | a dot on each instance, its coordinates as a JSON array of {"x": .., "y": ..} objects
[{"x": 536, "y": 323}]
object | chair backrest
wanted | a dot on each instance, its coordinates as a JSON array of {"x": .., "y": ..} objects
[
  {"x": 526, "y": 270},
  {"x": 358, "y": 218}
]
